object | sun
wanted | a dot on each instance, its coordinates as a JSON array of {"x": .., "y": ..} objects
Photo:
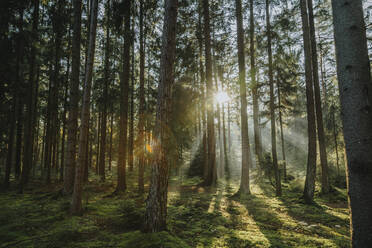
[{"x": 221, "y": 97}]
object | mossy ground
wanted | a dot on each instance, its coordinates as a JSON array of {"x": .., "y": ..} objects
[{"x": 197, "y": 217}]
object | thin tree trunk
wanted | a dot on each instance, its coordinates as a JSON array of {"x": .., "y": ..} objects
[
  {"x": 141, "y": 114},
  {"x": 278, "y": 186},
  {"x": 246, "y": 154},
  {"x": 282, "y": 134},
  {"x": 354, "y": 76},
  {"x": 156, "y": 204},
  {"x": 30, "y": 111},
  {"x": 105, "y": 96},
  {"x": 72, "y": 123},
  {"x": 256, "y": 110},
  {"x": 76, "y": 204},
  {"x": 311, "y": 156},
  {"x": 132, "y": 92},
  {"x": 211, "y": 178},
  {"x": 318, "y": 102},
  {"x": 124, "y": 86}
]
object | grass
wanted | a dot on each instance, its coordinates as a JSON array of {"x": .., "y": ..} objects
[{"x": 197, "y": 217}]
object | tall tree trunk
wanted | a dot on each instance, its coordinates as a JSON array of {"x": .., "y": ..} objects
[
  {"x": 203, "y": 97},
  {"x": 30, "y": 111},
  {"x": 76, "y": 204},
  {"x": 72, "y": 123},
  {"x": 282, "y": 134},
  {"x": 156, "y": 204},
  {"x": 256, "y": 110},
  {"x": 318, "y": 102},
  {"x": 124, "y": 86},
  {"x": 246, "y": 154},
  {"x": 132, "y": 93},
  {"x": 105, "y": 96},
  {"x": 278, "y": 186},
  {"x": 354, "y": 75},
  {"x": 311, "y": 155},
  {"x": 210, "y": 179},
  {"x": 141, "y": 109}
]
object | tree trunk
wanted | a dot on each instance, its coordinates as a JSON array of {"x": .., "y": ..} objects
[
  {"x": 156, "y": 204},
  {"x": 203, "y": 98},
  {"x": 102, "y": 158},
  {"x": 30, "y": 111},
  {"x": 318, "y": 102},
  {"x": 76, "y": 204},
  {"x": 278, "y": 186},
  {"x": 282, "y": 134},
  {"x": 124, "y": 86},
  {"x": 354, "y": 75},
  {"x": 141, "y": 109},
  {"x": 311, "y": 156},
  {"x": 246, "y": 155},
  {"x": 210, "y": 179},
  {"x": 256, "y": 110},
  {"x": 132, "y": 93},
  {"x": 72, "y": 123}
]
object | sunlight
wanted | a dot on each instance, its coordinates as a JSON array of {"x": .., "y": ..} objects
[{"x": 221, "y": 97}]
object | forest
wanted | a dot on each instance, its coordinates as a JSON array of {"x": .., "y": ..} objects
[{"x": 185, "y": 123}]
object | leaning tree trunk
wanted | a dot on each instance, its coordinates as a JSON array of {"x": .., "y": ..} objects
[
  {"x": 124, "y": 87},
  {"x": 76, "y": 205},
  {"x": 318, "y": 102},
  {"x": 72, "y": 123},
  {"x": 311, "y": 156},
  {"x": 156, "y": 203},
  {"x": 354, "y": 75},
  {"x": 246, "y": 154},
  {"x": 210, "y": 179}
]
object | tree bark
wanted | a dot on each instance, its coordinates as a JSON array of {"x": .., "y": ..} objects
[
  {"x": 354, "y": 75},
  {"x": 246, "y": 153},
  {"x": 311, "y": 156},
  {"x": 278, "y": 186},
  {"x": 72, "y": 123},
  {"x": 102, "y": 158},
  {"x": 76, "y": 204},
  {"x": 318, "y": 102},
  {"x": 256, "y": 110},
  {"x": 124, "y": 87},
  {"x": 210, "y": 179},
  {"x": 142, "y": 107},
  {"x": 156, "y": 203}
]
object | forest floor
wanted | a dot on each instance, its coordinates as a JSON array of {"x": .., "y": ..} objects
[{"x": 197, "y": 217}]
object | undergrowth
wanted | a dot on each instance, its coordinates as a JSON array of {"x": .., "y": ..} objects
[{"x": 197, "y": 217}]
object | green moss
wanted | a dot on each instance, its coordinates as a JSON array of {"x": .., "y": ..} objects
[{"x": 151, "y": 240}]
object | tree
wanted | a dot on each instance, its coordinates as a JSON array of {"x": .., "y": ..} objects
[
  {"x": 256, "y": 110},
  {"x": 354, "y": 75},
  {"x": 318, "y": 102},
  {"x": 72, "y": 123},
  {"x": 278, "y": 186},
  {"x": 85, "y": 114},
  {"x": 142, "y": 107},
  {"x": 124, "y": 88},
  {"x": 102, "y": 158},
  {"x": 246, "y": 154},
  {"x": 156, "y": 203},
  {"x": 311, "y": 156},
  {"x": 212, "y": 170}
]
